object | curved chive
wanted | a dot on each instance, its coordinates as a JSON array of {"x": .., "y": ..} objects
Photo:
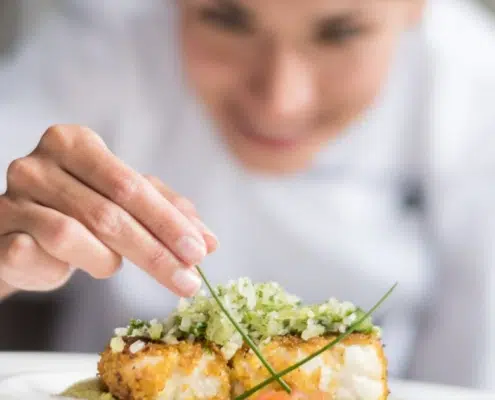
[
  {"x": 246, "y": 338},
  {"x": 334, "y": 342}
]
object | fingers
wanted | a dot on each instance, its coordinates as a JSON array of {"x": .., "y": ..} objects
[
  {"x": 185, "y": 206},
  {"x": 26, "y": 266},
  {"x": 99, "y": 169},
  {"x": 188, "y": 209},
  {"x": 49, "y": 185},
  {"x": 77, "y": 204},
  {"x": 66, "y": 239}
]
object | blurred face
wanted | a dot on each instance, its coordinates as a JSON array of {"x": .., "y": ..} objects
[{"x": 281, "y": 78}]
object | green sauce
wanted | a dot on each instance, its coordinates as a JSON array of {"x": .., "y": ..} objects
[{"x": 90, "y": 389}]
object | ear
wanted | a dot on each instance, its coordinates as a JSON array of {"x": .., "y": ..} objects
[{"x": 416, "y": 11}]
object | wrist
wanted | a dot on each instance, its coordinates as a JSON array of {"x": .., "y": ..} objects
[{"x": 6, "y": 290}]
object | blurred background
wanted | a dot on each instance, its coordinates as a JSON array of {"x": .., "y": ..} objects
[
  {"x": 18, "y": 16},
  {"x": 18, "y": 20}
]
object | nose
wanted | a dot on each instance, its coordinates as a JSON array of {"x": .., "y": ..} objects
[{"x": 284, "y": 86}]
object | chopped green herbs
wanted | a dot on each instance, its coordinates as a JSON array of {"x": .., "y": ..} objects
[
  {"x": 262, "y": 310},
  {"x": 349, "y": 331},
  {"x": 246, "y": 338},
  {"x": 136, "y": 325}
]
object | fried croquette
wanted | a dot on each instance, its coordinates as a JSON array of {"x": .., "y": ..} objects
[
  {"x": 355, "y": 369},
  {"x": 184, "y": 371}
]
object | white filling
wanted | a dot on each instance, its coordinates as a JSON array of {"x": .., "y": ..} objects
[
  {"x": 144, "y": 362},
  {"x": 312, "y": 365},
  {"x": 137, "y": 346},
  {"x": 359, "y": 378},
  {"x": 196, "y": 385},
  {"x": 325, "y": 379}
]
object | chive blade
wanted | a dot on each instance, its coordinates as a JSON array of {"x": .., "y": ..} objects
[
  {"x": 244, "y": 335},
  {"x": 334, "y": 342}
]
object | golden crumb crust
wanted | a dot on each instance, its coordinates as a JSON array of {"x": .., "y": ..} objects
[
  {"x": 146, "y": 374},
  {"x": 247, "y": 371}
]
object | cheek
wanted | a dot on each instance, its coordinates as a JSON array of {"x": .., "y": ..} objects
[
  {"x": 353, "y": 81},
  {"x": 202, "y": 70},
  {"x": 211, "y": 69}
]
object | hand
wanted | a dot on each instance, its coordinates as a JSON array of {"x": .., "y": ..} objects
[{"x": 72, "y": 203}]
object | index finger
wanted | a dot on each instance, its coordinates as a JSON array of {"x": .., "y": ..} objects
[
  {"x": 188, "y": 209},
  {"x": 90, "y": 162}
]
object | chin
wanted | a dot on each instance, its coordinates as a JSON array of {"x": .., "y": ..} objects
[
  {"x": 270, "y": 167},
  {"x": 267, "y": 156},
  {"x": 269, "y": 162}
]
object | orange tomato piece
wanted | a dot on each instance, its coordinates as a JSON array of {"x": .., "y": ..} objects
[
  {"x": 274, "y": 395},
  {"x": 295, "y": 395}
]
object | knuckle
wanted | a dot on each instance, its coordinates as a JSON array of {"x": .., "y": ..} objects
[
  {"x": 124, "y": 188},
  {"x": 107, "y": 220},
  {"x": 57, "y": 137},
  {"x": 183, "y": 205},
  {"x": 62, "y": 233},
  {"x": 67, "y": 137},
  {"x": 15, "y": 169},
  {"x": 20, "y": 171},
  {"x": 159, "y": 260},
  {"x": 18, "y": 249}
]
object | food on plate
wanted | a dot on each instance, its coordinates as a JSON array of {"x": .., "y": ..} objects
[
  {"x": 162, "y": 371},
  {"x": 354, "y": 369},
  {"x": 197, "y": 353}
]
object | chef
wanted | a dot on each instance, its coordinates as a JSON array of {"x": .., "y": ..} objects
[{"x": 333, "y": 146}]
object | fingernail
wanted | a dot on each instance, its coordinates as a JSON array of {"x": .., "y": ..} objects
[
  {"x": 210, "y": 238},
  {"x": 191, "y": 250},
  {"x": 185, "y": 280}
]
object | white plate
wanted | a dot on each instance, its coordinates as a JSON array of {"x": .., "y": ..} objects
[{"x": 33, "y": 376}]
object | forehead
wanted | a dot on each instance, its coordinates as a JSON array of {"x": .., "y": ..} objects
[
  {"x": 294, "y": 15},
  {"x": 297, "y": 6}
]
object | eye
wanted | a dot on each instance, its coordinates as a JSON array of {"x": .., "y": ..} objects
[
  {"x": 232, "y": 19},
  {"x": 337, "y": 32},
  {"x": 337, "y": 35}
]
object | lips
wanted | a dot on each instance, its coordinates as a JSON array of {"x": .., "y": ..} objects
[
  {"x": 247, "y": 129},
  {"x": 270, "y": 142}
]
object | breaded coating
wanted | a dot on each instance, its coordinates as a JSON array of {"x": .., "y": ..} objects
[
  {"x": 355, "y": 369},
  {"x": 185, "y": 371}
]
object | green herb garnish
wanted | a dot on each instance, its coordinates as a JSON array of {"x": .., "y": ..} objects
[
  {"x": 246, "y": 338},
  {"x": 136, "y": 324},
  {"x": 334, "y": 342}
]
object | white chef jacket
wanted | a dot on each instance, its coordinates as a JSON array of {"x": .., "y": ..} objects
[{"x": 406, "y": 194}]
